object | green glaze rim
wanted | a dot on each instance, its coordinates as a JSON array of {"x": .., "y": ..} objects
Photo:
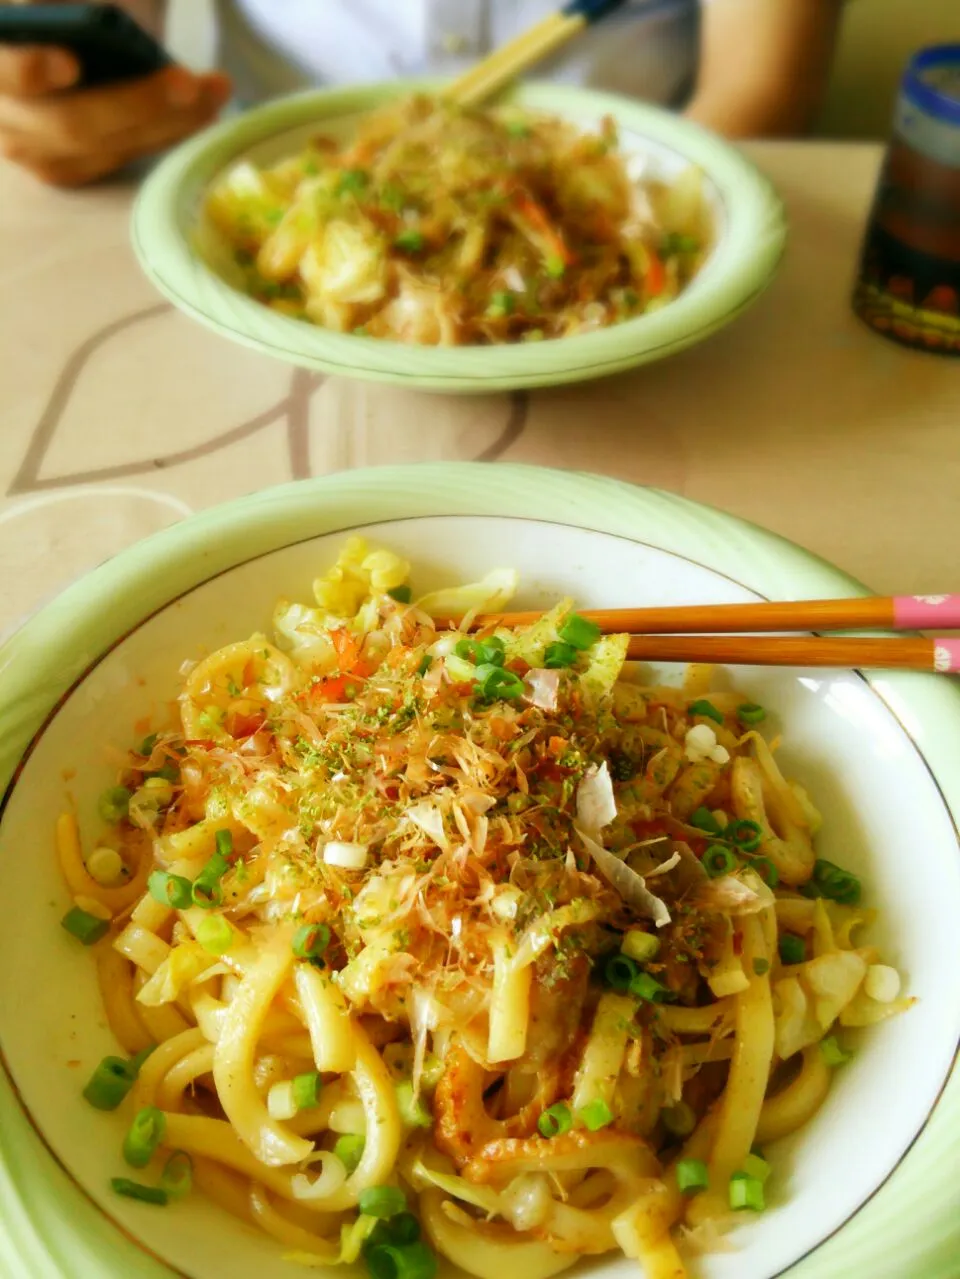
[
  {"x": 743, "y": 262},
  {"x": 49, "y": 1228}
]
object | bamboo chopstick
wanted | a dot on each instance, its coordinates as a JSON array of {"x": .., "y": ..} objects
[
  {"x": 536, "y": 43},
  {"x": 889, "y": 613},
  {"x": 940, "y": 655}
]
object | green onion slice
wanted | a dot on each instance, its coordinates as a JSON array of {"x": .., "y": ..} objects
[
  {"x": 145, "y": 1135},
  {"x": 170, "y": 890},
  {"x": 619, "y": 971},
  {"x": 746, "y": 1192},
  {"x": 555, "y": 1120},
  {"x": 402, "y": 594},
  {"x": 382, "y": 1201},
  {"x": 85, "y": 927},
  {"x": 559, "y": 656},
  {"x": 134, "y": 1190},
  {"x": 793, "y": 949},
  {"x": 646, "y": 987},
  {"x": 578, "y": 631},
  {"x": 177, "y": 1176},
  {"x": 705, "y": 709},
  {"x": 704, "y": 820},
  {"x": 766, "y": 870},
  {"x": 110, "y": 1082},
  {"x": 409, "y": 1261},
  {"x": 114, "y": 803},
  {"x": 832, "y": 1053},
  {"x": 718, "y": 860},
  {"x": 745, "y": 835},
  {"x": 215, "y": 935},
  {"x": 595, "y": 1114},
  {"x": 349, "y": 1150},
  {"x": 692, "y": 1176},
  {"x": 306, "y": 1090},
  {"x": 310, "y": 941},
  {"x": 750, "y": 713}
]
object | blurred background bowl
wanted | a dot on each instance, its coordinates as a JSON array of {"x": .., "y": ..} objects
[{"x": 192, "y": 267}]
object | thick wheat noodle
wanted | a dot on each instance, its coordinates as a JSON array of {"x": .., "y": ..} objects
[
  {"x": 796, "y": 1104},
  {"x": 115, "y": 978},
  {"x": 181, "y": 1076}
]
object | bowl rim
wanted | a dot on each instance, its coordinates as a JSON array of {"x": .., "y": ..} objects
[
  {"x": 741, "y": 265},
  {"x": 40, "y": 664}
]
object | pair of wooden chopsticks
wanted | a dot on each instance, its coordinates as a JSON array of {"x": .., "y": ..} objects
[
  {"x": 531, "y": 46},
  {"x": 708, "y": 632}
]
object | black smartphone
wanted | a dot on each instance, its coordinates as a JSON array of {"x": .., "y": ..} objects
[{"x": 107, "y": 42}]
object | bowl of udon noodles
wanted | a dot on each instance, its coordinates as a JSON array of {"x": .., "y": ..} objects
[
  {"x": 385, "y": 232},
  {"x": 340, "y": 933}
]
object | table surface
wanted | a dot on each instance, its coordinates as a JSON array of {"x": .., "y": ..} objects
[{"x": 119, "y": 416}]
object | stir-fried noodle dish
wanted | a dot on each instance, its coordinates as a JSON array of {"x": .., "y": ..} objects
[
  {"x": 469, "y": 942},
  {"x": 441, "y": 225}
]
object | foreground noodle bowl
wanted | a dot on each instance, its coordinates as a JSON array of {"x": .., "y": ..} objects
[{"x": 466, "y": 942}]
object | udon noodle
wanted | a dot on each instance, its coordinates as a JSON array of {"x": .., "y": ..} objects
[{"x": 467, "y": 942}]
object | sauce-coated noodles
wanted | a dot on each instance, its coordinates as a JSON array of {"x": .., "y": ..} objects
[{"x": 475, "y": 935}]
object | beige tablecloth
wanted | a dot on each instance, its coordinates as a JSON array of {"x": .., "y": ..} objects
[{"x": 119, "y": 416}]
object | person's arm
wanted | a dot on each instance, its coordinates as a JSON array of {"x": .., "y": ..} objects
[
  {"x": 71, "y": 138},
  {"x": 763, "y": 65}
]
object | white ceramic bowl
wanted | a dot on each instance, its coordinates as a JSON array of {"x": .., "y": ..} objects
[
  {"x": 880, "y": 757},
  {"x": 189, "y": 263}
]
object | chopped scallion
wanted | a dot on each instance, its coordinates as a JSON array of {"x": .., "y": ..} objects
[
  {"x": 718, "y": 860},
  {"x": 306, "y": 1090},
  {"x": 85, "y": 927},
  {"x": 145, "y": 1135},
  {"x": 578, "y": 631},
  {"x": 407, "y": 1261},
  {"x": 705, "y": 709},
  {"x": 595, "y": 1115},
  {"x": 619, "y": 971},
  {"x": 382, "y": 1201},
  {"x": 144, "y": 1194},
  {"x": 648, "y": 988},
  {"x": 170, "y": 890},
  {"x": 793, "y": 949},
  {"x": 767, "y": 871},
  {"x": 745, "y": 834},
  {"x": 110, "y": 1082},
  {"x": 746, "y": 1192},
  {"x": 832, "y": 1053},
  {"x": 692, "y": 1176},
  {"x": 349, "y": 1150},
  {"x": 310, "y": 941},
  {"x": 409, "y": 241},
  {"x": 559, "y": 656},
  {"x": 704, "y": 820},
  {"x": 494, "y": 683},
  {"x": 413, "y": 1110},
  {"x": 750, "y": 713},
  {"x": 114, "y": 803},
  {"x": 177, "y": 1176},
  {"x": 402, "y": 594},
  {"x": 215, "y": 935},
  {"x": 555, "y": 1120}
]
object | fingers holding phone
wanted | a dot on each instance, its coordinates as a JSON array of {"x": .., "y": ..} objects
[{"x": 69, "y": 136}]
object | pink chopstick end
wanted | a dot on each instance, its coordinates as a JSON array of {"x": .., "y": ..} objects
[
  {"x": 917, "y": 612},
  {"x": 946, "y": 656}
]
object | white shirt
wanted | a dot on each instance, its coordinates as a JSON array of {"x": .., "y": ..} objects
[{"x": 647, "y": 49}]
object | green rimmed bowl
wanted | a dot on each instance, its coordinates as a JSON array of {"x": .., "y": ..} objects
[
  {"x": 865, "y": 1189},
  {"x": 168, "y": 232}
]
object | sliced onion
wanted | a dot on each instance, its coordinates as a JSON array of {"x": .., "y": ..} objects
[
  {"x": 332, "y": 1176},
  {"x": 346, "y": 856},
  {"x": 631, "y": 886},
  {"x": 596, "y": 806}
]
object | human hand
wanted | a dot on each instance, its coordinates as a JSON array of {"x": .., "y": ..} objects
[{"x": 68, "y": 138}]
